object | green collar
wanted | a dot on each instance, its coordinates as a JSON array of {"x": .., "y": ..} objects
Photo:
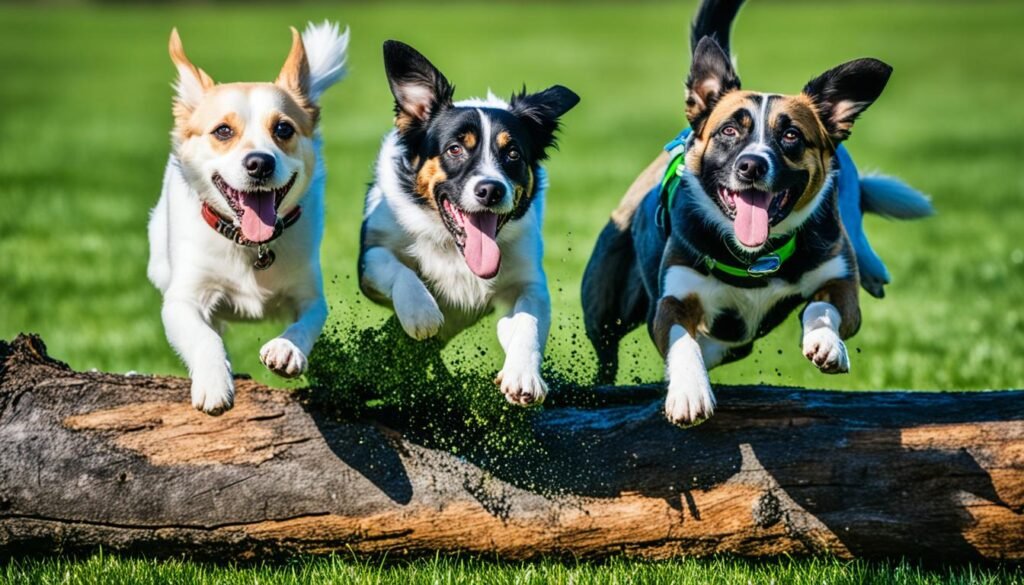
[{"x": 765, "y": 265}]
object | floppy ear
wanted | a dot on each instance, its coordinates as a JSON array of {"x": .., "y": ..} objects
[
  {"x": 842, "y": 93},
  {"x": 711, "y": 77},
  {"x": 192, "y": 82},
  {"x": 540, "y": 112},
  {"x": 294, "y": 75},
  {"x": 420, "y": 90}
]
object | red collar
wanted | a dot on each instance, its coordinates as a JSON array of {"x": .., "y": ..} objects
[{"x": 229, "y": 230}]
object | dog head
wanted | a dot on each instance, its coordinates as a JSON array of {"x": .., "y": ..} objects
[
  {"x": 247, "y": 149},
  {"x": 762, "y": 159},
  {"x": 475, "y": 163}
]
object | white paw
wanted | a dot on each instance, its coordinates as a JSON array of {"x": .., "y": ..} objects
[
  {"x": 689, "y": 397},
  {"x": 521, "y": 384},
  {"x": 213, "y": 389},
  {"x": 282, "y": 357},
  {"x": 827, "y": 351},
  {"x": 416, "y": 308}
]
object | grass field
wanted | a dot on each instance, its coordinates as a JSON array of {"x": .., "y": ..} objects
[{"x": 85, "y": 98}]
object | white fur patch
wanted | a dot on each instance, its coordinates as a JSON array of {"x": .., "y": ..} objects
[{"x": 689, "y": 390}]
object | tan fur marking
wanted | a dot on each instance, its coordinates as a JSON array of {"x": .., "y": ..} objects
[
  {"x": 502, "y": 139},
  {"x": 651, "y": 176},
  {"x": 294, "y": 76},
  {"x": 817, "y": 156},
  {"x": 185, "y": 67},
  {"x": 429, "y": 176},
  {"x": 671, "y": 311},
  {"x": 469, "y": 139},
  {"x": 843, "y": 295}
]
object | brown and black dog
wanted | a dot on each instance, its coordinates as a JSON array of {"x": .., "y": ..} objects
[{"x": 748, "y": 228}]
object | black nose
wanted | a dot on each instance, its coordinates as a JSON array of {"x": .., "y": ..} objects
[
  {"x": 259, "y": 165},
  {"x": 489, "y": 193},
  {"x": 751, "y": 167}
]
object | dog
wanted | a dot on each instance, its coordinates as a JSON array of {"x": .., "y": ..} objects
[
  {"x": 756, "y": 211},
  {"x": 452, "y": 221},
  {"x": 236, "y": 232}
]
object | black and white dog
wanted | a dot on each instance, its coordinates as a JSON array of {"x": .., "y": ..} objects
[
  {"x": 452, "y": 222},
  {"x": 756, "y": 212}
]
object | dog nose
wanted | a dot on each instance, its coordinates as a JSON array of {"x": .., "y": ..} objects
[
  {"x": 489, "y": 193},
  {"x": 259, "y": 165},
  {"x": 751, "y": 167}
]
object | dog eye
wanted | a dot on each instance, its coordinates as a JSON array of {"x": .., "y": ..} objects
[
  {"x": 729, "y": 131},
  {"x": 513, "y": 155},
  {"x": 454, "y": 150},
  {"x": 223, "y": 132},
  {"x": 791, "y": 136},
  {"x": 284, "y": 130}
]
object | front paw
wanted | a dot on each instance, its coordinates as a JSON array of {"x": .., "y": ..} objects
[
  {"x": 689, "y": 397},
  {"x": 416, "y": 308},
  {"x": 827, "y": 351},
  {"x": 282, "y": 357},
  {"x": 213, "y": 389},
  {"x": 522, "y": 385}
]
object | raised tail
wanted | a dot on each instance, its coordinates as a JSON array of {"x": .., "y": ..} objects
[
  {"x": 326, "y": 50},
  {"x": 892, "y": 198},
  {"x": 714, "y": 19}
]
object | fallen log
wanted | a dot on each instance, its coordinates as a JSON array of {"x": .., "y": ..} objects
[{"x": 94, "y": 459}]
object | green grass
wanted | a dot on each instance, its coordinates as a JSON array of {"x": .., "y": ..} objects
[
  {"x": 85, "y": 102},
  {"x": 447, "y": 570},
  {"x": 86, "y": 116}
]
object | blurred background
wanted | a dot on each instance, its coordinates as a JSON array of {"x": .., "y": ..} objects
[{"x": 85, "y": 118}]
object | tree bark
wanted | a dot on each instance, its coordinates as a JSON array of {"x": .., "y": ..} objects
[{"x": 94, "y": 459}]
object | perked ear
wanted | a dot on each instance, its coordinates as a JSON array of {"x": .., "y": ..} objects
[
  {"x": 192, "y": 82},
  {"x": 841, "y": 94},
  {"x": 540, "y": 112},
  {"x": 711, "y": 77},
  {"x": 420, "y": 90},
  {"x": 294, "y": 75}
]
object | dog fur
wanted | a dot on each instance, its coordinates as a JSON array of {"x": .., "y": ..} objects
[
  {"x": 445, "y": 165},
  {"x": 220, "y": 132},
  {"x": 749, "y": 151}
]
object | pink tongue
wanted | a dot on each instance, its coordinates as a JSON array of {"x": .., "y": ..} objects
[
  {"x": 481, "y": 251},
  {"x": 259, "y": 216},
  {"x": 751, "y": 223}
]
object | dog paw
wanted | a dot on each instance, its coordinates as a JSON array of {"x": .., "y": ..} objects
[
  {"x": 213, "y": 390},
  {"x": 824, "y": 348},
  {"x": 522, "y": 386},
  {"x": 416, "y": 308},
  {"x": 282, "y": 357},
  {"x": 690, "y": 398}
]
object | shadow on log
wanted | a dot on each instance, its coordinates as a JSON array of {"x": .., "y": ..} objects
[{"x": 93, "y": 459}]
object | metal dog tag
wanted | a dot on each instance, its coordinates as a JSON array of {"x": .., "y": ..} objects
[
  {"x": 264, "y": 258},
  {"x": 765, "y": 265}
]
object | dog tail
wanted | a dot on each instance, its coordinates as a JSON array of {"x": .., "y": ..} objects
[
  {"x": 893, "y": 198},
  {"x": 326, "y": 50},
  {"x": 714, "y": 19}
]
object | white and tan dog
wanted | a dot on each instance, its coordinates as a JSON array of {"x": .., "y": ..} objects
[{"x": 236, "y": 232}]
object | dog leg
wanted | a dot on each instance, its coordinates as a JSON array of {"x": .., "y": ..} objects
[
  {"x": 689, "y": 389},
  {"x": 286, "y": 355},
  {"x": 674, "y": 329},
  {"x": 191, "y": 334},
  {"x": 523, "y": 334},
  {"x": 415, "y": 307},
  {"x": 832, "y": 315}
]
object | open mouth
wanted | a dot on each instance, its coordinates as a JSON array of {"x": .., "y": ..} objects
[
  {"x": 753, "y": 212},
  {"x": 476, "y": 235},
  {"x": 256, "y": 210}
]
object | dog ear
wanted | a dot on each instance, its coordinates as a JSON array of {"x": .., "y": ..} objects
[
  {"x": 711, "y": 77},
  {"x": 420, "y": 90},
  {"x": 842, "y": 93},
  {"x": 294, "y": 75},
  {"x": 192, "y": 82},
  {"x": 540, "y": 112}
]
